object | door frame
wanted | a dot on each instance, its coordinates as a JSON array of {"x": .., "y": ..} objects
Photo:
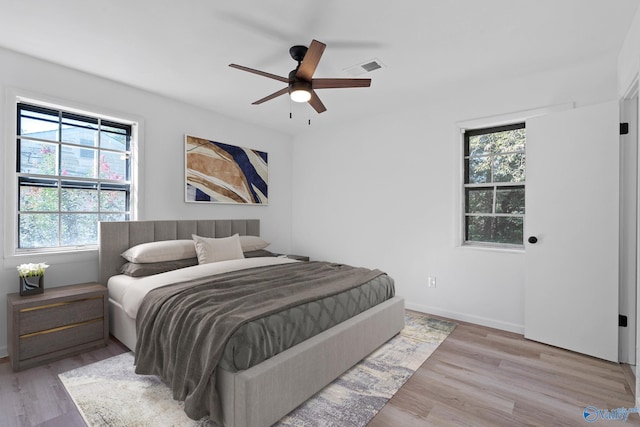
[{"x": 629, "y": 207}]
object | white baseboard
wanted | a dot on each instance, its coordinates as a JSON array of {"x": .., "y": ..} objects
[
  {"x": 4, "y": 351},
  {"x": 478, "y": 320}
]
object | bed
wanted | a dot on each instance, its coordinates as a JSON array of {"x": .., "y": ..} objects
[{"x": 264, "y": 393}]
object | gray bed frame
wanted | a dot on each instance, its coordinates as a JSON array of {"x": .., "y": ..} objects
[{"x": 263, "y": 394}]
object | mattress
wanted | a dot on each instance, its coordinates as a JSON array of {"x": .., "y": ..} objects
[
  {"x": 263, "y": 338},
  {"x": 130, "y": 291}
]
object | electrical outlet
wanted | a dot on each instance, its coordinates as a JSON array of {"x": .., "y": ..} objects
[{"x": 431, "y": 281}]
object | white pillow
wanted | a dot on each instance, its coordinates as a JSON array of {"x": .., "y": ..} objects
[
  {"x": 165, "y": 250},
  {"x": 211, "y": 249},
  {"x": 252, "y": 243}
]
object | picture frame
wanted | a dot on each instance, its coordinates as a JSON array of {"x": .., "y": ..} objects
[{"x": 216, "y": 172}]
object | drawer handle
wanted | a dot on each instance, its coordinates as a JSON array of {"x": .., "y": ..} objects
[{"x": 56, "y": 304}]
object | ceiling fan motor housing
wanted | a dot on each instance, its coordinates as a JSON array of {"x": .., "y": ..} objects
[{"x": 298, "y": 82}]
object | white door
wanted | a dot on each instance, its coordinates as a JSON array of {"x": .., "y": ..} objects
[{"x": 572, "y": 206}]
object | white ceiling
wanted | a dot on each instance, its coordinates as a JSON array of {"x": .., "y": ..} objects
[{"x": 182, "y": 49}]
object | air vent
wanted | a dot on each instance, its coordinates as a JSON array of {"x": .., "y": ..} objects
[
  {"x": 365, "y": 67},
  {"x": 370, "y": 66}
]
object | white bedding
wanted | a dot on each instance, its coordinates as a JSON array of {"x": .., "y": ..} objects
[{"x": 130, "y": 291}]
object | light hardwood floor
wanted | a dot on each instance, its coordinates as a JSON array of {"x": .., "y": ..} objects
[
  {"x": 485, "y": 377},
  {"x": 478, "y": 377},
  {"x": 36, "y": 397}
]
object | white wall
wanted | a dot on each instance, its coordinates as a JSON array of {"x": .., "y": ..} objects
[
  {"x": 629, "y": 57},
  {"x": 382, "y": 193},
  {"x": 165, "y": 123}
]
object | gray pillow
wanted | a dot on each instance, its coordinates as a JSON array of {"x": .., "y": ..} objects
[
  {"x": 258, "y": 253},
  {"x": 134, "y": 269}
]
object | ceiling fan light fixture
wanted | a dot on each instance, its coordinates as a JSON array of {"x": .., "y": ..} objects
[
  {"x": 301, "y": 86},
  {"x": 300, "y": 92},
  {"x": 300, "y": 95}
]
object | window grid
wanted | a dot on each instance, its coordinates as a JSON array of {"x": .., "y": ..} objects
[{"x": 97, "y": 183}]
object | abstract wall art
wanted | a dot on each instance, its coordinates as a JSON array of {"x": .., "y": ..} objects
[{"x": 223, "y": 173}]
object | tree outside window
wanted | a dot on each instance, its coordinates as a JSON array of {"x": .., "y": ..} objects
[{"x": 494, "y": 186}]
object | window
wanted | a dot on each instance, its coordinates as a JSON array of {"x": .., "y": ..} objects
[
  {"x": 72, "y": 171},
  {"x": 494, "y": 185}
]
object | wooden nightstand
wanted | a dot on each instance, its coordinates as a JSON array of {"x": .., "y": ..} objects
[
  {"x": 298, "y": 257},
  {"x": 55, "y": 324}
]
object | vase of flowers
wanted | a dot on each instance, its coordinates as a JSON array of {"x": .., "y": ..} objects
[{"x": 32, "y": 278}]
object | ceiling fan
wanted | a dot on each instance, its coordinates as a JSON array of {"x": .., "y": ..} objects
[{"x": 301, "y": 85}]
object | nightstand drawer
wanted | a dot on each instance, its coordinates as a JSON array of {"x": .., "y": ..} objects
[
  {"x": 57, "y": 323},
  {"x": 52, "y": 340},
  {"x": 55, "y": 315}
]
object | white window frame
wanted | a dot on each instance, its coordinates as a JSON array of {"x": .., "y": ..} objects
[
  {"x": 480, "y": 123},
  {"x": 12, "y": 256}
]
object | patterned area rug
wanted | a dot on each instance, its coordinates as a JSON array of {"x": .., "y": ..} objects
[{"x": 109, "y": 393}]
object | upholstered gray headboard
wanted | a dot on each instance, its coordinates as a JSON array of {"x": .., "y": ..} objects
[{"x": 116, "y": 237}]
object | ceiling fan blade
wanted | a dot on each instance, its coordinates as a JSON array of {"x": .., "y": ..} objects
[
  {"x": 316, "y": 103},
  {"x": 310, "y": 61},
  {"x": 317, "y": 13},
  {"x": 273, "y": 95},
  {"x": 339, "y": 83},
  {"x": 260, "y": 73},
  {"x": 255, "y": 25}
]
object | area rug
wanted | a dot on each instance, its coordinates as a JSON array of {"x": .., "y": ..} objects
[{"x": 109, "y": 393}]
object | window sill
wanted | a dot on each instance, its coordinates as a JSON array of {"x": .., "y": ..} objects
[
  {"x": 89, "y": 253},
  {"x": 493, "y": 248}
]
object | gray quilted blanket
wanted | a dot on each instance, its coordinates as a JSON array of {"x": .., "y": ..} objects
[{"x": 182, "y": 328}]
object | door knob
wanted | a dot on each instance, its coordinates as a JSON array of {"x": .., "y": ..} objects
[{"x": 532, "y": 239}]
